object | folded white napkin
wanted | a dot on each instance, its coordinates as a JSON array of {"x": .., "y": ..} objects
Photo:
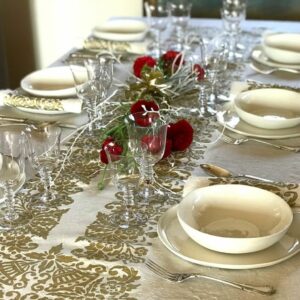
[
  {"x": 290, "y": 192},
  {"x": 39, "y": 103}
]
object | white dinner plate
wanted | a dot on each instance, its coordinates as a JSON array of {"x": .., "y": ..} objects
[
  {"x": 121, "y": 30},
  {"x": 176, "y": 240},
  {"x": 258, "y": 55},
  {"x": 228, "y": 118},
  {"x": 50, "y": 82}
]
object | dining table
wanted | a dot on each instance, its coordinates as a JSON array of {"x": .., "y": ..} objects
[{"x": 72, "y": 250}]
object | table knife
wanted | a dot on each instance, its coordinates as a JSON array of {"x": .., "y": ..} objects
[
  {"x": 221, "y": 172},
  {"x": 27, "y": 121}
]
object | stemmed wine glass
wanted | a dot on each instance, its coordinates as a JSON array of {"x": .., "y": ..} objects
[
  {"x": 93, "y": 78},
  {"x": 179, "y": 12},
  {"x": 126, "y": 177},
  {"x": 147, "y": 133},
  {"x": 12, "y": 175},
  {"x": 157, "y": 13},
  {"x": 44, "y": 145},
  {"x": 233, "y": 12}
]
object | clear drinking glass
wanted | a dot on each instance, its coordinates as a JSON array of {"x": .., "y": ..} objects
[
  {"x": 180, "y": 13},
  {"x": 233, "y": 12},
  {"x": 157, "y": 13},
  {"x": 93, "y": 78},
  {"x": 12, "y": 175},
  {"x": 126, "y": 178},
  {"x": 147, "y": 134},
  {"x": 44, "y": 145}
]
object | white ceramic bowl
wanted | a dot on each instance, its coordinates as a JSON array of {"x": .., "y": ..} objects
[
  {"x": 269, "y": 108},
  {"x": 234, "y": 218},
  {"x": 283, "y": 47}
]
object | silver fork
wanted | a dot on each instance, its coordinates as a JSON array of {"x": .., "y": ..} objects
[
  {"x": 237, "y": 141},
  {"x": 266, "y": 70},
  {"x": 179, "y": 277}
]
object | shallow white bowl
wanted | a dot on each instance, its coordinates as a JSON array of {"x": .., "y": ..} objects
[
  {"x": 283, "y": 47},
  {"x": 50, "y": 82},
  {"x": 234, "y": 218},
  {"x": 121, "y": 30},
  {"x": 269, "y": 108}
]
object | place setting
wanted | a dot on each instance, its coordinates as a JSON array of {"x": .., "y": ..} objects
[{"x": 278, "y": 51}]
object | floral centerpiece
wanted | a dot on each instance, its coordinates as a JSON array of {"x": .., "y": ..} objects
[
  {"x": 163, "y": 78},
  {"x": 155, "y": 81}
]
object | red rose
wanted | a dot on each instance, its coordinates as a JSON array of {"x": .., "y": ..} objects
[
  {"x": 181, "y": 134},
  {"x": 151, "y": 143},
  {"x": 170, "y": 56},
  {"x": 142, "y": 63},
  {"x": 200, "y": 72},
  {"x": 112, "y": 147},
  {"x": 144, "y": 105},
  {"x": 168, "y": 148}
]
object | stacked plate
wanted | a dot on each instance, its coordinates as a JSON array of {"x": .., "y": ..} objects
[
  {"x": 231, "y": 226},
  {"x": 280, "y": 50}
]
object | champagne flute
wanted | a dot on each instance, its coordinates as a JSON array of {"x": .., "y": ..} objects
[
  {"x": 12, "y": 174},
  {"x": 147, "y": 133},
  {"x": 126, "y": 177}
]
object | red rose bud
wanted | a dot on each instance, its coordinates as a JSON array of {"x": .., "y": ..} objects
[
  {"x": 181, "y": 134},
  {"x": 151, "y": 143},
  {"x": 200, "y": 72},
  {"x": 170, "y": 56},
  {"x": 144, "y": 105},
  {"x": 168, "y": 149},
  {"x": 170, "y": 131},
  {"x": 141, "y": 63},
  {"x": 112, "y": 147}
]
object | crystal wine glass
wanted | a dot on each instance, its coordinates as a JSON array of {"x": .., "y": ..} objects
[
  {"x": 12, "y": 175},
  {"x": 233, "y": 12},
  {"x": 93, "y": 78},
  {"x": 147, "y": 134},
  {"x": 126, "y": 177},
  {"x": 179, "y": 12},
  {"x": 157, "y": 13},
  {"x": 44, "y": 145}
]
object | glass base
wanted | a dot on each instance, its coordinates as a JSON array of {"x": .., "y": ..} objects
[
  {"x": 151, "y": 193},
  {"x": 7, "y": 224},
  {"x": 43, "y": 202},
  {"x": 127, "y": 219}
]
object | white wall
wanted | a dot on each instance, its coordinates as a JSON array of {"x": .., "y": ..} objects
[{"x": 58, "y": 25}]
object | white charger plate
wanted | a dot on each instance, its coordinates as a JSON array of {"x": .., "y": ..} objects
[
  {"x": 258, "y": 55},
  {"x": 177, "y": 241},
  {"x": 228, "y": 118},
  {"x": 43, "y": 112},
  {"x": 50, "y": 82},
  {"x": 121, "y": 30}
]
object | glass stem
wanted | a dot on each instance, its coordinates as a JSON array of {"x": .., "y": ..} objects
[
  {"x": 47, "y": 182},
  {"x": 10, "y": 201}
]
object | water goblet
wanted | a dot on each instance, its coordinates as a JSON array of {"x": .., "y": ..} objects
[
  {"x": 147, "y": 133},
  {"x": 44, "y": 145},
  {"x": 93, "y": 78},
  {"x": 157, "y": 13},
  {"x": 12, "y": 175},
  {"x": 179, "y": 12},
  {"x": 126, "y": 177}
]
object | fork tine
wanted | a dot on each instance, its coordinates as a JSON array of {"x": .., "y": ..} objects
[{"x": 159, "y": 270}]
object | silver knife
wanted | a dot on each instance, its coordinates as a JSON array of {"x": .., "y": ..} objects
[
  {"x": 20, "y": 120},
  {"x": 221, "y": 172}
]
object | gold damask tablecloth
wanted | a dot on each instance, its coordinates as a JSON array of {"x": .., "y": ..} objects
[{"x": 72, "y": 251}]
